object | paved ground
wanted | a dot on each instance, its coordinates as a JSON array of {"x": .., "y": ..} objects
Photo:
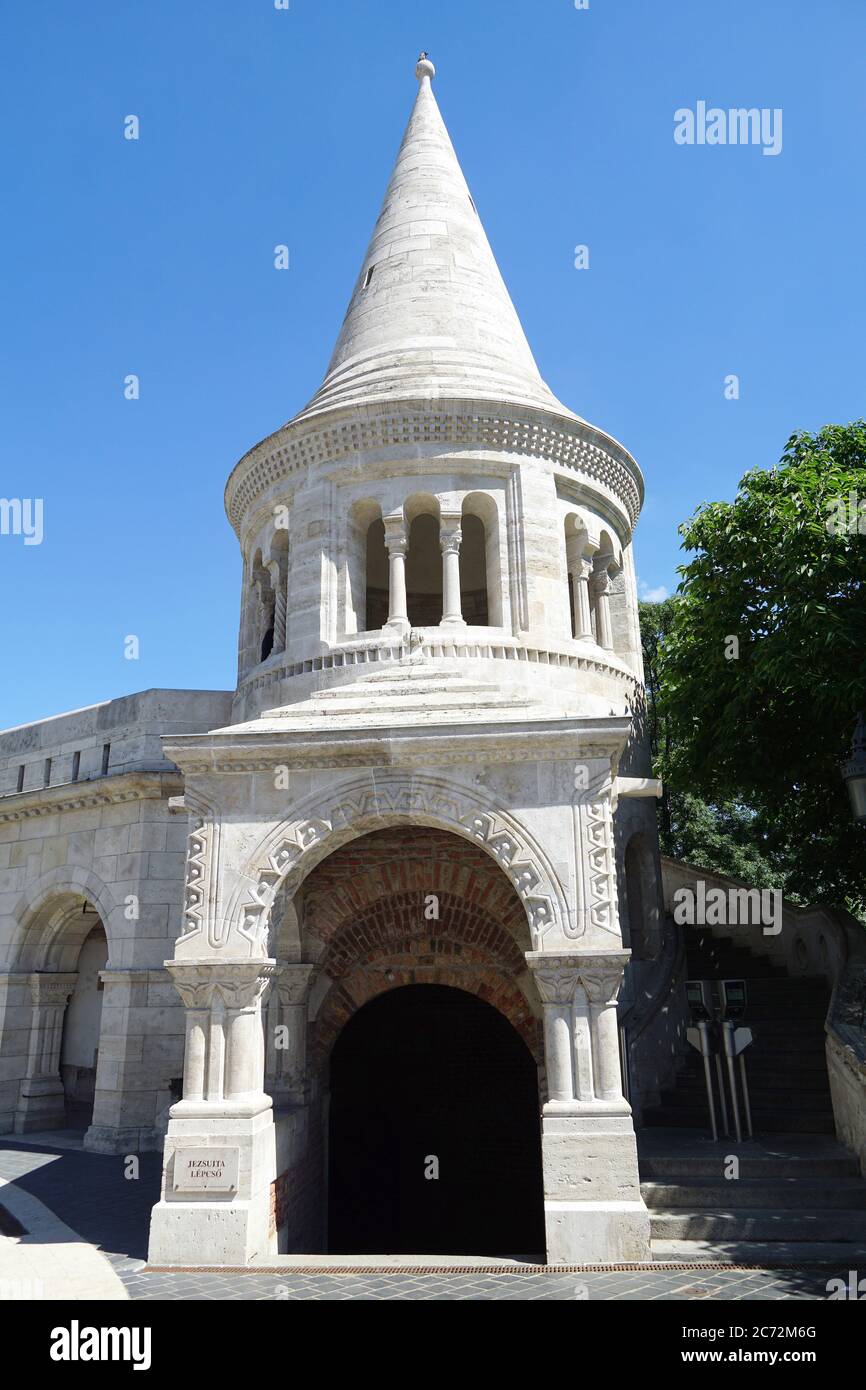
[{"x": 107, "y": 1206}]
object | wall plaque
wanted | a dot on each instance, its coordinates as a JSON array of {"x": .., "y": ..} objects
[{"x": 206, "y": 1170}]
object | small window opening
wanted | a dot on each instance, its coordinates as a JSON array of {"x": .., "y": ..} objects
[
  {"x": 76, "y": 766},
  {"x": 46, "y": 778},
  {"x": 21, "y": 777},
  {"x": 368, "y": 277},
  {"x": 106, "y": 754}
]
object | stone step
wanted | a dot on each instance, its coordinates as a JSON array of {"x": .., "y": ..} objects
[
  {"x": 677, "y": 1168},
  {"x": 385, "y": 690},
  {"x": 841, "y": 1225},
  {"x": 768, "y": 1193},
  {"x": 414, "y": 702},
  {"x": 765, "y": 1093},
  {"x": 763, "y": 1254},
  {"x": 764, "y": 1122}
]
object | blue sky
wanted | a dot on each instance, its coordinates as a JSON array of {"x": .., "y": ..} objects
[{"x": 262, "y": 126}]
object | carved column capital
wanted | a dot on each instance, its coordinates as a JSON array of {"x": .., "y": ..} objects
[
  {"x": 556, "y": 976},
  {"x": 450, "y": 540},
  {"x": 396, "y": 535},
  {"x": 601, "y": 975},
  {"x": 239, "y": 984},
  {"x": 50, "y": 989},
  {"x": 293, "y": 983}
]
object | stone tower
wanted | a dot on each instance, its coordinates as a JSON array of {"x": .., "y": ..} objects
[{"x": 431, "y": 775}]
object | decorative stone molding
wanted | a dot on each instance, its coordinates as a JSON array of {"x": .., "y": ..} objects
[
  {"x": 201, "y": 889},
  {"x": 81, "y": 796},
  {"x": 392, "y": 796},
  {"x": 597, "y": 907},
  {"x": 441, "y": 645},
  {"x": 569, "y": 444}
]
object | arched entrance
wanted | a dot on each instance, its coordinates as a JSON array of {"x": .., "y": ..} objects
[
  {"x": 429, "y": 1078},
  {"x": 81, "y": 1026}
]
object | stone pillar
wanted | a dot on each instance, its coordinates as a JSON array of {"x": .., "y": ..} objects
[
  {"x": 449, "y": 543},
  {"x": 397, "y": 544},
  {"x": 602, "y": 987},
  {"x": 278, "y": 581},
  {"x": 582, "y": 611},
  {"x": 224, "y": 1119},
  {"x": 41, "y": 1099},
  {"x": 286, "y": 1049},
  {"x": 556, "y": 979},
  {"x": 133, "y": 1066},
  {"x": 593, "y": 1207},
  {"x": 600, "y": 586}
]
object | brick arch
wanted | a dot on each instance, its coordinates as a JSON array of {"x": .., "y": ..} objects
[{"x": 365, "y": 908}]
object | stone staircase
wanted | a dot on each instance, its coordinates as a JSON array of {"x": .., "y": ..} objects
[
  {"x": 786, "y": 1065},
  {"x": 798, "y": 1195},
  {"x": 797, "y": 1199}
]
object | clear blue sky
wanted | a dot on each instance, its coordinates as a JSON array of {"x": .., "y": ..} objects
[{"x": 261, "y": 126}]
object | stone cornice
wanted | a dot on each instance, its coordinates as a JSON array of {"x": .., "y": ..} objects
[
  {"x": 485, "y": 645},
  {"x": 81, "y": 796},
  {"x": 446, "y": 424},
  {"x": 445, "y": 745}
]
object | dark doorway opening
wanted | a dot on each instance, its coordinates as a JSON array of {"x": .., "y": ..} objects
[{"x": 428, "y": 1072}]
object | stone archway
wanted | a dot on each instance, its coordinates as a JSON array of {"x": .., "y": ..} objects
[
  {"x": 401, "y": 907},
  {"x": 61, "y": 949},
  {"x": 434, "y": 1139}
]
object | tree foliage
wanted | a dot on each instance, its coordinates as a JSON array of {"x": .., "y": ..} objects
[{"x": 757, "y": 667}]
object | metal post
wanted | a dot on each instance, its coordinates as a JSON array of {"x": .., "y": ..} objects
[
  {"x": 730, "y": 1055},
  {"x": 708, "y": 1077},
  {"x": 746, "y": 1102},
  {"x": 721, "y": 1080}
]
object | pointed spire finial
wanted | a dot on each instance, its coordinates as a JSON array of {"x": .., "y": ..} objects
[{"x": 424, "y": 68}]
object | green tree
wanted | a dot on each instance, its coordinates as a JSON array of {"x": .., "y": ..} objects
[
  {"x": 723, "y": 836},
  {"x": 761, "y": 666}
]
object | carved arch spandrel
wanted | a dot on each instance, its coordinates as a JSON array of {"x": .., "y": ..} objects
[{"x": 290, "y": 850}]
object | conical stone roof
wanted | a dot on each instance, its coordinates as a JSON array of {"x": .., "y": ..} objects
[{"x": 430, "y": 316}]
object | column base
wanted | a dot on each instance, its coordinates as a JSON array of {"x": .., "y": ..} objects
[
  {"x": 41, "y": 1105},
  {"x": 109, "y": 1139},
  {"x": 593, "y": 1209},
  {"x": 208, "y": 1227}
]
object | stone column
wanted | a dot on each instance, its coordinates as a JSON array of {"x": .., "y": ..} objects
[
  {"x": 285, "y": 1069},
  {"x": 224, "y": 1117},
  {"x": 582, "y": 611},
  {"x": 600, "y": 587},
  {"x": 555, "y": 979},
  {"x": 41, "y": 1099},
  {"x": 602, "y": 984},
  {"x": 449, "y": 543},
  {"x": 593, "y": 1207},
  {"x": 397, "y": 544},
  {"x": 278, "y": 582}
]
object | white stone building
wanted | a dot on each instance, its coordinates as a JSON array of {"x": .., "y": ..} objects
[{"x": 222, "y": 913}]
